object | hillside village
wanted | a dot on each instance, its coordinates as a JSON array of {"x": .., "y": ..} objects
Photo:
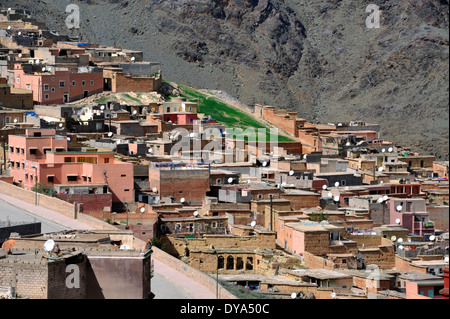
[{"x": 318, "y": 211}]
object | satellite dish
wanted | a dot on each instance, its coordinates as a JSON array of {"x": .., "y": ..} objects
[
  {"x": 390, "y": 149},
  {"x": 380, "y": 200},
  {"x": 68, "y": 139},
  {"x": 393, "y": 238},
  {"x": 49, "y": 245},
  {"x": 191, "y": 135},
  {"x": 182, "y": 200},
  {"x": 305, "y": 156},
  {"x": 399, "y": 207},
  {"x": 336, "y": 184},
  {"x": 16, "y": 120},
  {"x": 133, "y": 58},
  {"x": 283, "y": 184},
  {"x": 333, "y": 295},
  {"x": 19, "y": 55},
  {"x": 248, "y": 181},
  {"x": 381, "y": 182},
  {"x": 134, "y": 112},
  {"x": 432, "y": 237},
  {"x": 142, "y": 209},
  {"x": 339, "y": 124},
  {"x": 401, "y": 247},
  {"x": 291, "y": 173},
  {"x": 324, "y": 187},
  {"x": 336, "y": 198},
  {"x": 380, "y": 169},
  {"x": 43, "y": 69},
  {"x": 102, "y": 107},
  {"x": 398, "y": 221},
  {"x": 446, "y": 259},
  {"x": 60, "y": 125},
  {"x": 400, "y": 240},
  {"x": 293, "y": 295},
  {"x": 347, "y": 144},
  {"x": 385, "y": 197},
  {"x": 230, "y": 180},
  {"x": 110, "y": 134},
  {"x": 253, "y": 223},
  {"x": 124, "y": 247},
  {"x": 383, "y": 150},
  {"x": 195, "y": 213},
  {"x": 37, "y": 61},
  {"x": 346, "y": 188},
  {"x": 7, "y": 245},
  {"x": 330, "y": 194},
  {"x": 19, "y": 33},
  {"x": 154, "y": 189},
  {"x": 150, "y": 150},
  {"x": 264, "y": 163},
  {"x": 9, "y": 27}
]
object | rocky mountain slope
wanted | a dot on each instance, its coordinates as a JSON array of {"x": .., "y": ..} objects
[{"x": 316, "y": 57}]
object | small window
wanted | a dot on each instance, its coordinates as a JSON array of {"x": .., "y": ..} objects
[
  {"x": 50, "y": 179},
  {"x": 46, "y": 96},
  {"x": 46, "y": 87},
  {"x": 62, "y": 84},
  {"x": 72, "y": 178},
  {"x": 18, "y": 80},
  {"x": 33, "y": 151},
  {"x": 47, "y": 150},
  {"x": 74, "y": 83},
  {"x": 28, "y": 86},
  {"x": 106, "y": 160},
  {"x": 123, "y": 175},
  {"x": 92, "y": 82},
  {"x": 126, "y": 190},
  {"x": 53, "y": 89},
  {"x": 83, "y": 83}
]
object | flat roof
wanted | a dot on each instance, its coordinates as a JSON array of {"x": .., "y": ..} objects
[{"x": 319, "y": 273}]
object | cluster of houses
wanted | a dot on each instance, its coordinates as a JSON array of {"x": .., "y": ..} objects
[{"x": 338, "y": 212}]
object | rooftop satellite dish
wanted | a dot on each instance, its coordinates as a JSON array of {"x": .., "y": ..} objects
[
  {"x": 142, "y": 209},
  {"x": 398, "y": 221},
  {"x": 43, "y": 69},
  {"x": 37, "y": 61},
  {"x": 191, "y": 135},
  {"x": 390, "y": 149},
  {"x": 347, "y": 144},
  {"x": 264, "y": 163},
  {"x": 380, "y": 200},
  {"x": 134, "y": 112},
  {"x": 19, "y": 55},
  {"x": 393, "y": 238},
  {"x": 110, "y": 134},
  {"x": 346, "y": 188},
  {"x": 253, "y": 223},
  {"x": 324, "y": 187},
  {"x": 49, "y": 245},
  {"x": 124, "y": 247},
  {"x": 383, "y": 150},
  {"x": 401, "y": 247},
  {"x": 385, "y": 197},
  {"x": 60, "y": 125},
  {"x": 432, "y": 237},
  {"x": 381, "y": 182},
  {"x": 16, "y": 120},
  {"x": 249, "y": 181},
  {"x": 380, "y": 169},
  {"x": 333, "y": 295},
  {"x": 154, "y": 189},
  {"x": 19, "y": 33},
  {"x": 291, "y": 173},
  {"x": 150, "y": 150},
  {"x": 330, "y": 194},
  {"x": 7, "y": 245},
  {"x": 446, "y": 259},
  {"x": 133, "y": 58},
  {"x": 400, "y": 240},
  {"x": 399, "y": 207},
  {"x": 336, "y": 184},
  {"x": 336, "y": 198},
  {"x": 9, "y": 27},
  {"x": 102, "y": 107},
  {"x": 196, "y": 213},
  {"x": 182, "y": 200},
  {"x": 271, "y": 153},
  {"x": 68, "y": 139},
  {"x": 339, "y": 124},
  {"x": 230, "y": 180},
  {"x": 305, "y": 156},
  {"x": 293, "y": 295},
  {"x": 283, "y": 184}
]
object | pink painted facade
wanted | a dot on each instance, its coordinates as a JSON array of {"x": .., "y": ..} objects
[
  {"x": 180, "y": 118},
  {"x": 44, "y": 159},
  {"x": 58, "y": 87},
  {"x": 419, "y": 290}
]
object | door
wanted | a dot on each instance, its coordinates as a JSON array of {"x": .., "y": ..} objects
[
  {"x": 66, "y": 98},
  {"x": 85, "y": 93}
]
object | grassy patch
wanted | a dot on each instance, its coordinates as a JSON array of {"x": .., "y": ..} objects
[
  {"x": 128, "y": 96},
  {"x": 230, "y": 116}
]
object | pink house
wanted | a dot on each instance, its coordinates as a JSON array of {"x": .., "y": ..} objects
[
  {"x": 40, "y": 156},
  {"x": 58, "y": 87},
  {"x": 411, "y": 214}
]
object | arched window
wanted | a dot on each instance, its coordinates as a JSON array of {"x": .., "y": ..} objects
[
  {"x": 230, "y": 262},
  {"x": 239, "y": 263},
  {"x": 220, "y": 262},
  {"x": 249, "y": 264}
]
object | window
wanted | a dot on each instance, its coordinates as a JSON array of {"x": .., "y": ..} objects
[
  {"x": 53, "y": 78},
  {"x": 47, "y": 150},
  {"x": 83, "y": 83},
  {"x": 126, "y": 190},
  {"x": 7, "y": 119},
  {"x": 74, "y": 83},
  {"x": 106, "y": 160},
  {"x": 18, "y": 80},
  {"x": 92, "y": 82},
  {"x": 33, "y": 151},
  {"x": 53, "y": 89},
  {"x": 72, "y": 178},
  {"x": 12, "y": 164},
  {"x": 50, "y": 179},
  {"x": 46, "y": 96},
  {"x": 17, "y": 150},
  {"x": 46, "y": 87},
  {"x": 28, "y": 86},
  {"x": 123, "y": 175},
  {"x": 62, "y": 84},
  {"x": 343, "y": 182}
]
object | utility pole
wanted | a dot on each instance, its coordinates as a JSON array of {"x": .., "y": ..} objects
[{"x": 271, "y": 211}]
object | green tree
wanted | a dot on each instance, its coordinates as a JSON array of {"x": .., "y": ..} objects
[{"x": 44, "y": 189}]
